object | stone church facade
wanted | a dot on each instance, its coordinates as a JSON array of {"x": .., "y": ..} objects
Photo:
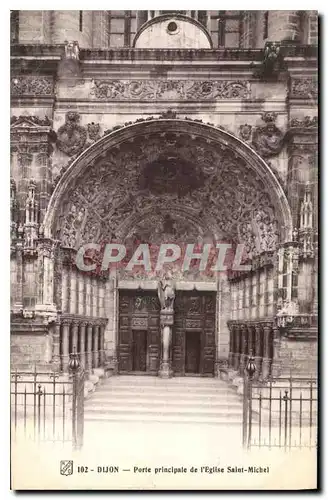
[{"x": 184, "y": 127}]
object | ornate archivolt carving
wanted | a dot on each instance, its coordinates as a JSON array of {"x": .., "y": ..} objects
[
  {"x": 31, "y": 85},
  {"x": 71, "y": 137},
  {"x": 133, "y": 193},
  {"x": 269, "y": 139},
  {"x": 170, "y": 89}
]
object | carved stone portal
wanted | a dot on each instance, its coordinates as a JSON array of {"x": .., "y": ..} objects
[{"x": 169, "y": 186}]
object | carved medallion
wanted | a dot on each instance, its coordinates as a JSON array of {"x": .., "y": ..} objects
[
  {"x": 268, "y": 140},
  {"x": 71, "y": 137}
]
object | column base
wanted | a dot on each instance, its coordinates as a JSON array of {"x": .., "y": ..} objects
[
  {"x": 242, "y": 363},
  {"x": 165, "y": 370},
  {"x": 258, "y": 364},
  {"x": 236, "y": 361}
]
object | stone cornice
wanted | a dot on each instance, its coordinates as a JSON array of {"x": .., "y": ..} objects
[{"x": 55, "y": 52}]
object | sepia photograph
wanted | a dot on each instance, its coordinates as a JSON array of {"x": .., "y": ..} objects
[{"x": 164, "y": 246}]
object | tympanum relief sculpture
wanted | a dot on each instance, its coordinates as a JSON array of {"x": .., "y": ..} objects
[{"x": 160, "y": 181}]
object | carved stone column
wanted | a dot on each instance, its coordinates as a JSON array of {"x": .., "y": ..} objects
[
  {"x": 250, "y": 329},
  {"x": 102, "y": 346},
  {"x": 231, "y": 345},
  {"x": 95, "y": 347},
  {"x": 258, "y": 350},
  {"x": 75, "y": 335},
  {"x": 237, "y": 331},
  {"x": 82, "y": 343},
  {"x": 267, "y": 339},
  {"x": 89, "y": 347},
  {"x": 243, "y": 350},
  {"x": 65, "y": 344},
  {"x": 56, "y": 346}
]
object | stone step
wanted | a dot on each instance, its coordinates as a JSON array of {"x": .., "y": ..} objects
[
  {"x": 149, "y": 407},
  {"x": 178, "y": 400},
  {"x": 163, "y": 418},
  {"x": 107, "y": 387},
  {"x": 174, "y": 381},
  {"x": 187, "y": 399}
]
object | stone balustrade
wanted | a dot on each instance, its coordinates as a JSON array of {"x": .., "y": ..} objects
[
  {"x": 251, "y": 338},
  {"x": 84, "y": 335}
]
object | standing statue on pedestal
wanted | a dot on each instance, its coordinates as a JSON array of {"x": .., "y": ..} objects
[{"x": 166, "y": 295}]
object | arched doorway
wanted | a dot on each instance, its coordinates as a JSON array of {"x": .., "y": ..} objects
[{"x": 164, "y": 181}]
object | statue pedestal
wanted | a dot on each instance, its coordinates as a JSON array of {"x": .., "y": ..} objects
[{"x": 165, "y": 370}]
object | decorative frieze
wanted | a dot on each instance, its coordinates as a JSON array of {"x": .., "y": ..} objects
[
  {"x": 304, "y": 88},
  {"x": 307, "y": 122},
  {"x": 185, "y": 90},
  {"x": 31, "y": 85}
]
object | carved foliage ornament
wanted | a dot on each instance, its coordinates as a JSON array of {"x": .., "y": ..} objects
[
  {"x": 71, "y": 137},
  {"x": 268, "y": 140},
  {"x": 306, "y": 122},
  {"x": 304, "y": 88},
  {"x": 33, "y": 120},
  {"x": 31, "y": 85},
  {"x": 170, "y": 90}
]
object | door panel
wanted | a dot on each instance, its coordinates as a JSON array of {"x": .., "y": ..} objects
[
  {"x": 138, "y": 326},
  {"x": 139, "y": 363},
  {"x": 194, "y": 314},
  {"x": 193, "y": 349}
]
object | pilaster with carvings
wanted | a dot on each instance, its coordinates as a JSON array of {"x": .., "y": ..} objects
[
  {"x": 31, "y": 149},
  {"x": 46, "y": 249}
]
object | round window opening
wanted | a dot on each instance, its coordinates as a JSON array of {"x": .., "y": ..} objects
[{"x": 172, "y": 27}]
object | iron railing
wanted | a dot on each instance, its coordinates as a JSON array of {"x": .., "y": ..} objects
[
  {"x": 48, "y": 406},
  {"x": 280, "y": 413}
]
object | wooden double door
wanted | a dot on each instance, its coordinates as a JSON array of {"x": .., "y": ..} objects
[{"x": 193, "y": 336}]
